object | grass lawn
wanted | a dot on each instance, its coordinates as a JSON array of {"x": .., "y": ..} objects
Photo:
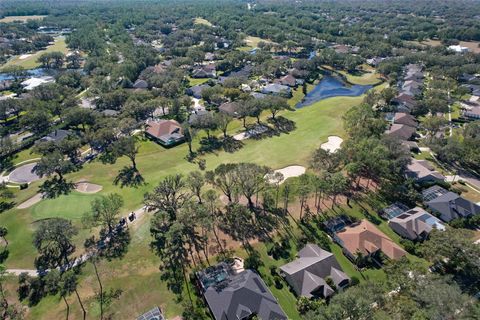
[
  {"x": 24, "y": 155},
  {"x": 31, "y": 61},
  {"x": 367, "y": 78},
  {"x": 252, "y": 42},
  {"x": 202, "y": 21},
  {"x": 196, "y": 81},
  {"x": 20, "y": 18},
  {"x": 137, "y": 274},
  {"x": 468, "y": 193}
]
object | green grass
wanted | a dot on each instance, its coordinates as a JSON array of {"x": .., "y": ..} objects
[
  {"x": 24, "y": 155},
  {"x": 367, "y": 78},
  {"x": 21, "y": 18},
  {"x": 31, "y": 61},
  {"x": 138, "y": 274},
  {"x": 196, "y": 81},
  {"x": 55, "y": 208},
  {"x": 202, "y": 21}
]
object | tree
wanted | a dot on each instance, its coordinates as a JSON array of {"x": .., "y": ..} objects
[
  {"x": 3, "y": 235},
  {"x": 74, "y": 61},
  {"x": 304, "y": 190},
  {"x": 223, "y": 177},
  {"x": 250, "y": 179},
  {"x": 36, "y": 120},
  {"x": 433, "y": 124},
  {"x": 275, "y": 105},
  {"x": 91, "y": 248},
  {"x": 189, "y": 134},
  {"x": 55, "y": 163},
  {"x": 169, "y": 196},
  {"x": 359, "y": 302},
  {"x": 338, "y": 184},
  {"x": 53, "y": 241},
  {"x": 458, "y": 255},
  {"x": 126, "y": 146},
  {"x": 7, "y": 310},
  {"x": 105, "y": 212},
  {"x": 68, "y": 285},
  {"x": 361, "y": 121},
  {"x": 223, "y": 120},
  {"x": 196, "y": 181},
  {"x": 324, "y": 160}
]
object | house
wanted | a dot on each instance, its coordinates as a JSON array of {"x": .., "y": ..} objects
[
  {"x": 5, "y": 84},
  {"x": 363, "y": 238},
  {"x": 140, "y": 84},
  {"x": 458, "y": 49},
  {"x": 472, "y": 114},
  {"x": 308, "y": 273},
  {"x": 209, "y": 56},
  {"x": 423, "y": 171},
  {"x": 153, "y": 314},
  {"x": 336, "y": 224},
  {"x": 165, "y": 132},
  {"x": 110, "y": 113},
  {"x": 258, "y": 95},
  {"x": 404, "y": 102},
  {"x": 415, "y": 224},
  {"x": 196, "y": 91},
  {"x": 287, "y": 80},
  {"x": 277, "y": 89},
  {"x": 405, "y": 118},
  {"x": 393, "y": 210},
  {"x": 206, "y": 71},
  {"x": 230, "y": 108},
  {"x": 34, "y": 82},
  {"x": 448, "y": 205},
  {"x": 235, "y": 296},
  {"x": 375, "y": 61},
  {"x": 400, "y": 131},
  {"x": 56, "y": 136}
]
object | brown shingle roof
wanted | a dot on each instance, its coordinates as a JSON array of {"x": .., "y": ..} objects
[
  {"x": 163, "y": 127},
  {"x": 366, "y": 238}
]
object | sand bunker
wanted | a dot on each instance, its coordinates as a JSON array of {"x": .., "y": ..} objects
[
  {"x": 30, "y": 202},
  {"x": 287, "y": 172},
  {"x": 87, "y": 187},
  {"x": 24, "y": 56},
  {"x": 333, "y": 144}
]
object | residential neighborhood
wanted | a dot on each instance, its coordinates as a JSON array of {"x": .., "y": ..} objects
[{"x": 230, "y": 159}]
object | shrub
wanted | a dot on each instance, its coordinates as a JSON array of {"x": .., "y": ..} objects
[{"x": 23, "y": 186}]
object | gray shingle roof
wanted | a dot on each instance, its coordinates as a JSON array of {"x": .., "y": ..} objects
[
  {"x": 243, "y": 295},
  {"x": 307, "y": 274}
]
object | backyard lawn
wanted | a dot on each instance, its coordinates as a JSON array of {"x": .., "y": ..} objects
[
  {"x": 196, "y": 81},
  {"x": 30, "y": 61}
]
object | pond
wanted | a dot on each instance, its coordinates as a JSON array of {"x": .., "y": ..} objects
[
  {"x": 37, "y": 72},
  {"x": 329, "y": 87}
]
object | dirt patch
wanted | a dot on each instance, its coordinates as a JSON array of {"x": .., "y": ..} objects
[{"x": 87, "y": 187}]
